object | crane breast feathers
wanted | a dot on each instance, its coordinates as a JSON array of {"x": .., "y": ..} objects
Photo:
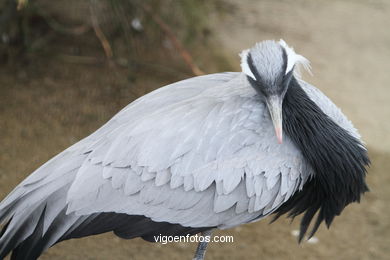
[{"x": 208, "y": 158}]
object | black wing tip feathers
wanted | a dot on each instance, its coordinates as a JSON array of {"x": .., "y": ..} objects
[{"x": 123, "y": 225}]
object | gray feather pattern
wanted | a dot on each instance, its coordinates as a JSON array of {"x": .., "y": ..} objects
[
  {"x": 200, "y": 152},
  {"x": 221, "y": 135}
]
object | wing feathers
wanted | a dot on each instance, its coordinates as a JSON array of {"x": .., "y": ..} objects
[{"x": 199, "y": 153}]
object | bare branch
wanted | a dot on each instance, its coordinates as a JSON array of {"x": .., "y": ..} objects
[
  {"x": 99, "y": 33},
  {"x": 167, "y": 30}
]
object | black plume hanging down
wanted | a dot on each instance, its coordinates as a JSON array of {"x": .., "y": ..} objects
[{"x": 338, "y": 159}]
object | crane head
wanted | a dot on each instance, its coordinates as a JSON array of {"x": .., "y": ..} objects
[{"x": 269, "y": 67}]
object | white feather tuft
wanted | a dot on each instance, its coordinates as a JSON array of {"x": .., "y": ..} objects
[
  {"x": 244, "y": 64},
  {"x": 295, "y": 59}
]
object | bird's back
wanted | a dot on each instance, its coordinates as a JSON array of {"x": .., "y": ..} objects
[{"x": 199, "y": 153}]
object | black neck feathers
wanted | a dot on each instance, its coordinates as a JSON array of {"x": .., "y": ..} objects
[{"x": 338, "y": 159}]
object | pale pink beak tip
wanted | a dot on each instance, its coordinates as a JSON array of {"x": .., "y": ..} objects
[{"x": 279, "y": 135}]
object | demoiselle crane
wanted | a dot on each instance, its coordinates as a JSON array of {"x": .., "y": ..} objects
[{"x": 214, "y": 151}]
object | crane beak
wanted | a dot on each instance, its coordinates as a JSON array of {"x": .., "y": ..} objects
[{"x": 274, "y": 104}]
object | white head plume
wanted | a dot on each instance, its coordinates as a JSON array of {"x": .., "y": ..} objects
[
  {"x": 294, "y": 59},
  {"x": 244, "y": 64}
]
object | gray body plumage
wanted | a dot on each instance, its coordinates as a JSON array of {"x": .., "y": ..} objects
[{"x": 200, "y": 153}]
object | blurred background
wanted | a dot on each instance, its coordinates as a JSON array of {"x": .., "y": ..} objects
[{"x": 69, "y": 66}]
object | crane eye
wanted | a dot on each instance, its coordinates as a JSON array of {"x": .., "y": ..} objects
[
  {"x": 258, "y": 86},
  {"x": 287, "y": 78}
]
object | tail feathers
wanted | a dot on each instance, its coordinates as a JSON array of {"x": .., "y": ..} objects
[
  {"x": 32, "y": 230},
  {"x": 18, "y": 229},
  {"x": 30, "y": 217},
  {"x": 47, "y": 179},
  {"x": 7, "y": 204},
  {"x": 30, "y": 252},
  {"x": 39, "y": 241}
]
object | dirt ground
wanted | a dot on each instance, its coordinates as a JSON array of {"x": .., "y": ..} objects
[{"x": 50, "y": 103}]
